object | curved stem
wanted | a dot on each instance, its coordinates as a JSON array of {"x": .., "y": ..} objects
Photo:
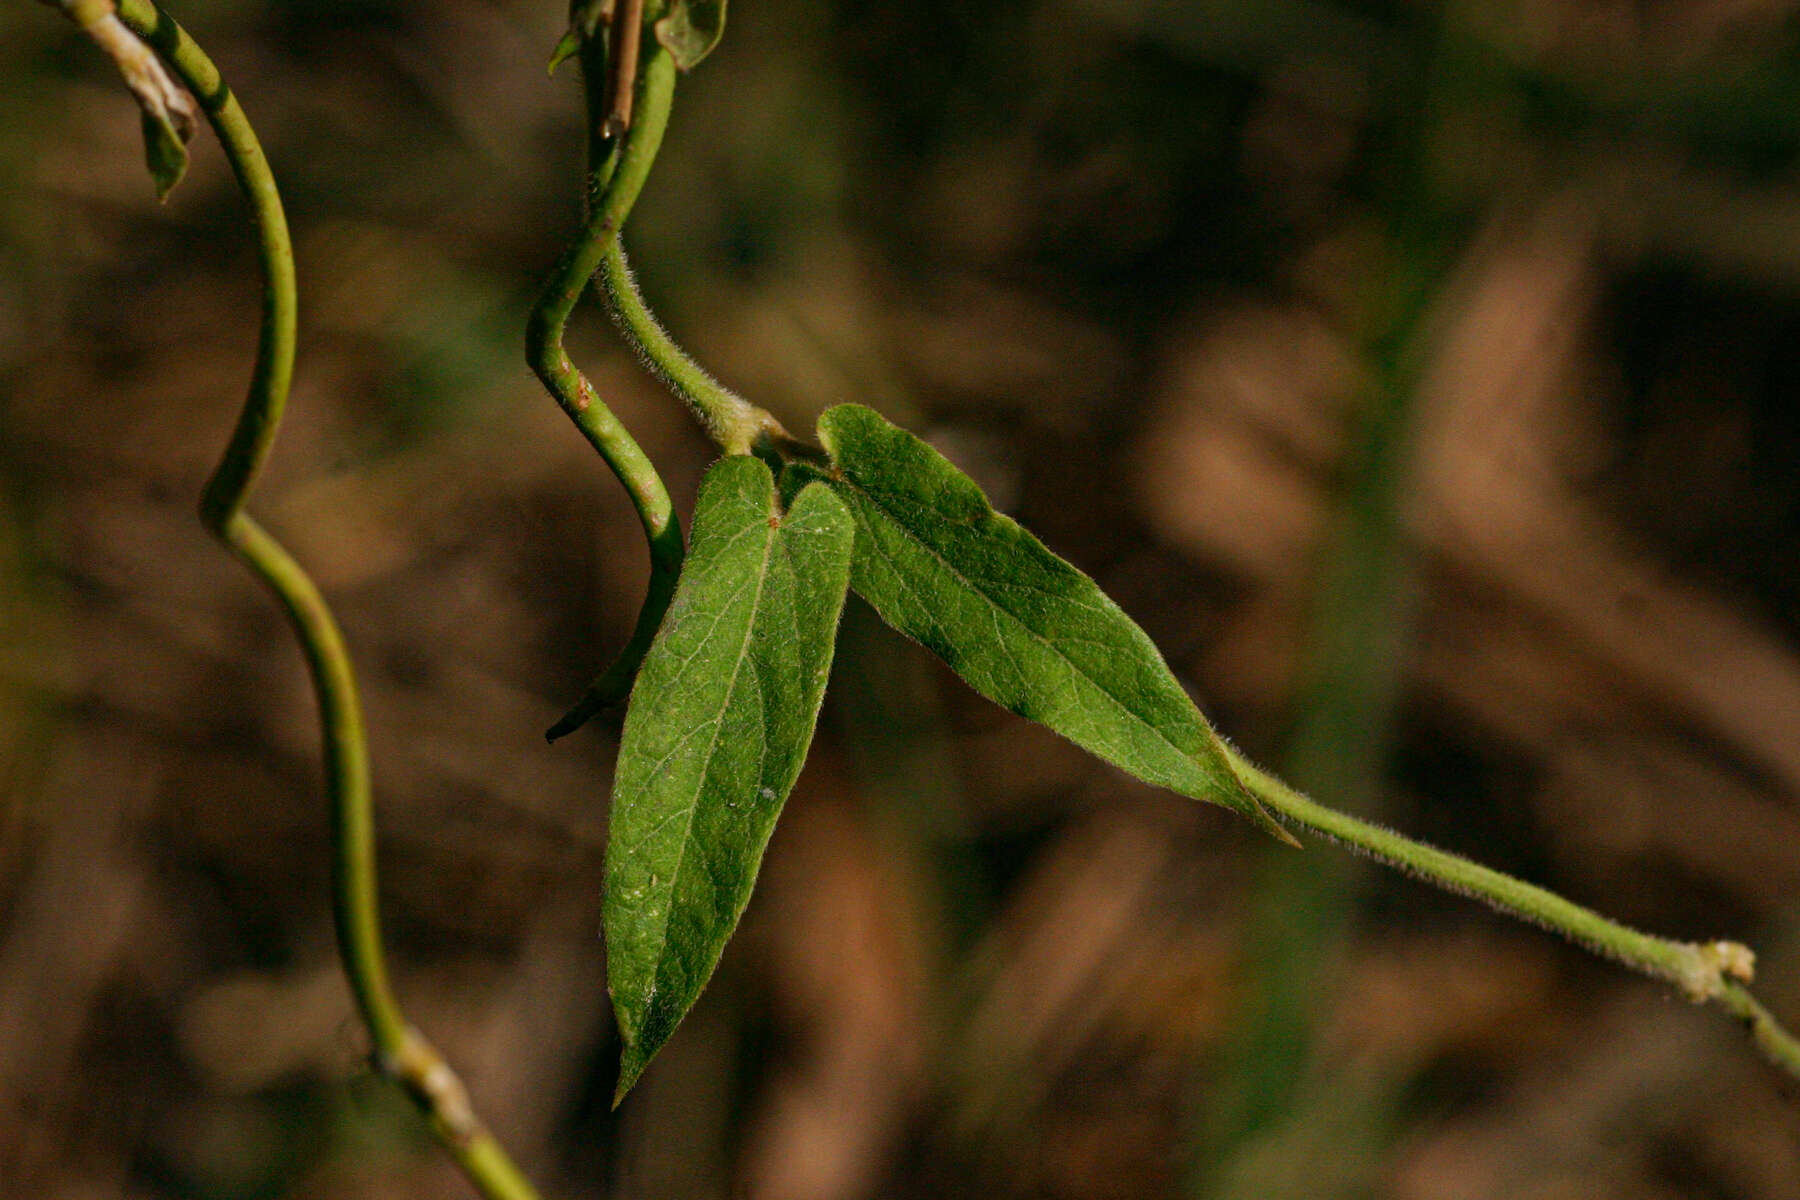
[
  {"x": 616, "y": 174},
  {"x": 618, "y": 167},
  {"x": 400, "y": 1051},
  {"x": 1715, "y": 971},
  {"x": 346, "y": 775},
  {"x": 737, "y": 425},
  {"x": 274, "y": 370}
]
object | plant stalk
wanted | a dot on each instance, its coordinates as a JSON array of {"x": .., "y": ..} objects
[
  {"x": 399, "y": 1051},
  {"x": 1703, "y": 971},
  {"x": 621, "y": 153},
  {"x": 737, "y": 425},
  {"x": 616, "y": 171}
]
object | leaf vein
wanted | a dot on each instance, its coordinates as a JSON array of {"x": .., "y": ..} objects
[{"x": 974, "y": 588}]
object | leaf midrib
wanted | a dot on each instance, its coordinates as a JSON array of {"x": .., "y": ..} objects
[
  {"x": 1033, "y": 634},
  {"x": 661, "y": 940}
]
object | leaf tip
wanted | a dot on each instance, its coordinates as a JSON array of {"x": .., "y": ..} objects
[
  {"x": 566, "y": 724},
  {"x": 566, "y": 49},
  {"x": 632, "y": 1062},
  {"x": 1266, "y": 821},
  {"x": 164, "y": 152}
]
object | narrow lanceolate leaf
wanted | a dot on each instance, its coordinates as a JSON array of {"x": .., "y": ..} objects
[
  {"x": 585, "y": 19},
  {"x": 719, "y": 724},
  {"x": 1023, "y": 627},
  {"x": 691, "y": 30}
]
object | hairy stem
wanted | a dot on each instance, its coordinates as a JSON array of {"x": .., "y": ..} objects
[
  {"x": 400, "y": 1051},
  {"x": 616, "y": 171},
  {"x": 1709, "y": 971},
  {"x": 624, "y": 139},
  {"x": 737, "y": 425}
]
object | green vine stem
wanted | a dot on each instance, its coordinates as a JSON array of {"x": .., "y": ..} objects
[
  {"x": 1715, "y": 971},
  {"x": 616, "y": 171},
  {"x": 399, "y": 1050},
  {"x": 737, "y": 425},
  {"x": 1709, "y": 971},
  {"x": 617, "y": 168}
]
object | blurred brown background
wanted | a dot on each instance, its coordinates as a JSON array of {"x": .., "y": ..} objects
[{"x": 1422, "y": 376}]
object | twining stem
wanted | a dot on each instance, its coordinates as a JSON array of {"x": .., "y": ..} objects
[
  {"x": 733, "y": 422},
  {"x": 617, "y": 167},
  {"x": 737, "y": 425},
  {"x": 1714, "y": 971},
  {"x": 399, "y": 1050},
  {"x": 616, "y": 171},
  {"x": 1710, "y": 971}
]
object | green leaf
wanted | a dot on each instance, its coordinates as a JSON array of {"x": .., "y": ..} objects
[
  {"x": 164, "y": 152},
  {"x": 719, "y": 724},
  {"x": 168, "y": 111},
  {"x": 691, "y": 30},
  {"x": 1020, "y": 625},
  {"x": 585, "y": 19}
]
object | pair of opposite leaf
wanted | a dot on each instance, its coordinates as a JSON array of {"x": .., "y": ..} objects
[{"x": 726, "y": 701}]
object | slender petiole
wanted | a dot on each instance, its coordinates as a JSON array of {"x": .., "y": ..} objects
[
  {"x": 1704, "y": 971},
  {"x": 737, "y": 425}
]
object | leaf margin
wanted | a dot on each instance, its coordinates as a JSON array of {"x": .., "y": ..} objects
[
  {"x": 963, "y": 504},
  {"x": 691, "y": 29},
  {"x": 636, "y": 981}
]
